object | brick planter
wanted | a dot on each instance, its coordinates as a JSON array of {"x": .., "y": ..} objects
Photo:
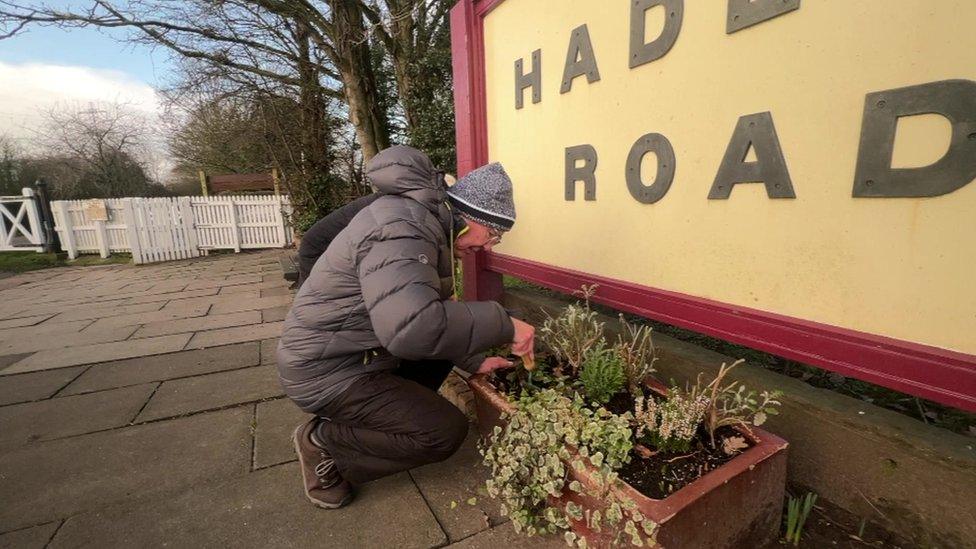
[{"x": 737, "y": 505}]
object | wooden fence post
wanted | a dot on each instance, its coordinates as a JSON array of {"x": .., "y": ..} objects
[
  {"x": 101, "y": 238},
  {"x": 131, "y": 231},
  {"x": 275, "y": 178},
  {"x": 203, "y": 182},
  {"x": 67, "y": 230},
  {"x": 235, "y": 228},
  {"x": 280, "y": 220}
]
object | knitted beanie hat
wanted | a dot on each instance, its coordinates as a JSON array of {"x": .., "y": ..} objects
[{"x": 485, "y": 195}]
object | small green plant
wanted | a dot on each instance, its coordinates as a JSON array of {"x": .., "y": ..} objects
[
  {"x": 732, "y": 404},
  {"x": 571, "y": 334},
  {"x": 670, "y": 424},
  {"x": 602, "y": 374},
  {"x": 528, "y": 460},
  {"x": 636, "y": 351},
  {"x": 797, "y": 511}
]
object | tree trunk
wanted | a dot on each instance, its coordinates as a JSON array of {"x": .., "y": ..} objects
[{"x": 351, "y": 48}]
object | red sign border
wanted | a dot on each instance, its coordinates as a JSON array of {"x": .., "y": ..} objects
[{"x": 937, "y": 374}]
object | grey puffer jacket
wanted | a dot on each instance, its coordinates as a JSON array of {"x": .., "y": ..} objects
[{"x": 381, "y": 292}]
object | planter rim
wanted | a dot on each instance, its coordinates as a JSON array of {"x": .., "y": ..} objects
[{"x": 765, "y": 446}]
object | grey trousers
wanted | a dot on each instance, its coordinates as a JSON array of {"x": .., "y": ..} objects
[{"x": 391, "y": 421}]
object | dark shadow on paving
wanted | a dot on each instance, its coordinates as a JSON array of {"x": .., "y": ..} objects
[
  {"x": 263, "y": 509},
  {"x": 52, "y": 480},
  {"x": 162, "y": 367}
]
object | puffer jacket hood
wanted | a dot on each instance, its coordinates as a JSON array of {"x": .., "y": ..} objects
[
  {"x": 382, "y": 291},
  {"x": 403, "y": 170}
]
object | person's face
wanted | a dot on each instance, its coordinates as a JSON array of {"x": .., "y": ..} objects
[{"x": 477, "y": 237}]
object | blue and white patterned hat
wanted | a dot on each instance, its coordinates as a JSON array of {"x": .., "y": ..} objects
[{"x": 485, "y": 195}]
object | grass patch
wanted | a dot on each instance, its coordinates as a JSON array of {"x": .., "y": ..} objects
[{"x": 20, "y": 262}]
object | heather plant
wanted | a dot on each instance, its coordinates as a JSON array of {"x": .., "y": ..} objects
[
  {"x": 669, "y": 424},
  {"x": 528, "y": 460},
  {"x": 636, "y": 351},
  {"x": 602, "y": 374}
]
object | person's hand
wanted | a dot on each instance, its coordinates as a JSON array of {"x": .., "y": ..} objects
[
  {"x": 493, "y": 363},
  {"x": 523, "y": 344}
]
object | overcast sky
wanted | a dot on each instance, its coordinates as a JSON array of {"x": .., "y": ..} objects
[{"x": 47, "y": 65}]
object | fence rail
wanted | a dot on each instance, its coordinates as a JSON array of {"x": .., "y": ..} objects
[{"x": 161, "y": 229}]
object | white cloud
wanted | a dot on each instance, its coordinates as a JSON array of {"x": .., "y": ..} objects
[{"x": 28, "y": 90}]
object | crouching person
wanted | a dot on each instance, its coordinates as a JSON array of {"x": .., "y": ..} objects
[{"x": 374, "y": 331}]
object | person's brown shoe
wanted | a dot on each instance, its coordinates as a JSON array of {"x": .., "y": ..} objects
[{"x": 323, "y": 485}]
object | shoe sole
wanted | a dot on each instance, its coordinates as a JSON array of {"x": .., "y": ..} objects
[{"x": 316, "y": 502}]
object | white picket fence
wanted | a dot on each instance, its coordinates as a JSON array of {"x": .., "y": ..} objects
[
  {"x": 163, "y": 229},
  {"x": 20, "y": 223}
]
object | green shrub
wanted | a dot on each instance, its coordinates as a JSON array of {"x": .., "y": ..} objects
[
  {"x": 528, "y": 460},
  {"x": 636, "y": 350},
  {"x": 571, "y": 335},
  {"x": 602, "y": 374}
]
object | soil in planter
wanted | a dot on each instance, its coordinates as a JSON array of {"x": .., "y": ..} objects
[{"x": 663, "y": 474}]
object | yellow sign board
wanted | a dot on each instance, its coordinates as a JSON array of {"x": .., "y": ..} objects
[{"x": 748, "y": 167}]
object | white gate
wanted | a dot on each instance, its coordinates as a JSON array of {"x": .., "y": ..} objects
[
  {"x": 162, "y": 229},
  {"x": 20, "y": 223}
]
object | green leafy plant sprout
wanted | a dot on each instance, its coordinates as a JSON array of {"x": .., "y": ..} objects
[
  {"x": 732, "y": 405},
  {"x": 572, "y": 333},
  {"x": 636, "y": 351},
  {"x": 797, "y": 511},
  {"x": 602, "y": 374}
]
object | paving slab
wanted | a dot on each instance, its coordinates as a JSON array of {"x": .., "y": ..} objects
[
  {"x": 276, "y": 314},
  {"x": 504, "y": 535},
  {"x": 35, "y": 385},
  {"x": 29, "y": 538},
  {"x": 52, "y": 480},
  {"x": 226, "y": 336},
  {"x": 24, "y": 321},
  {"x": 71, "y": 415},
  {"x": 56, "y": 339},
  {"x": 228, "y": 281},
  {"x": 45, "y": 329},
  {"x": 270, "y": 302},
  {"x": 211, "y": 391},
  {"x": 447, "y": 486},
  {"x": 276, "y": 422},
  {"x": 269, "y": 348},
  {"x": 100, "y": 352},
  {"x": 162, "y": 367},
  {"x": 168, "y": 296},
  {"x": 263, "y": 509},
  {"x": 209, "y": 322},
  {"x": 278, "y": 290},
  {"x": 89, "y": 311},
  {"x": 224, "y": 290},
  {"x": 213, "y": 300},
  {"x": 164, "y": 315}
]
